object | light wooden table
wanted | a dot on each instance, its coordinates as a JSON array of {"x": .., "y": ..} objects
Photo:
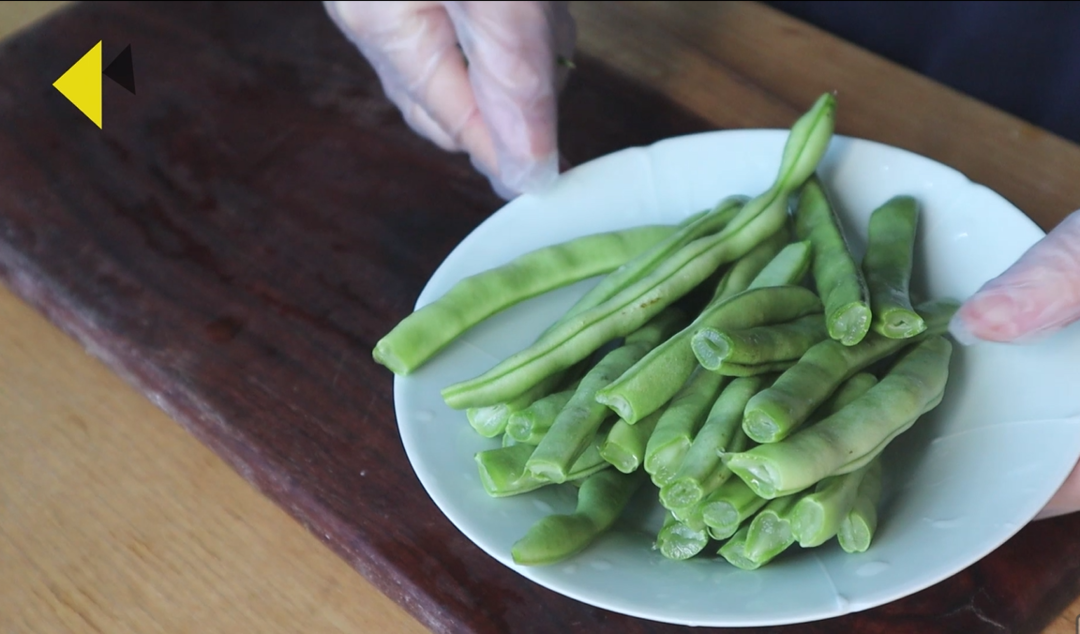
[{"x": 113, "y": 519}]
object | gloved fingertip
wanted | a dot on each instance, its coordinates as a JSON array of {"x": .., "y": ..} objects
[
  {"x": 532, "y": 177},
  {"x": 959, "y": 330}
]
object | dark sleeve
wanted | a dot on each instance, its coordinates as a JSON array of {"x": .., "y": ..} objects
[{"x": 1023, "y": 57}]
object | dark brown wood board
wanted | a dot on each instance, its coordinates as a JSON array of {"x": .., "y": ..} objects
[{"x": 244, "y": 229}]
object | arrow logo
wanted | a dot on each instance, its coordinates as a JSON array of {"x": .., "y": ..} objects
[{"x": 81, "y": 84}]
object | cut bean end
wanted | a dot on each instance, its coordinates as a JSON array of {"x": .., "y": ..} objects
[
  {"x": 679, "y": 541},
  {"x": 850, "y": 324},
  {"x": 681, "y": 493},
  {"x": 807, "y": 522},
  {"x": 618, "y": 457},
  {"x": 710, "y": 348},
  {"x": 854, "y": 535},
  {"x": 618, "y": 404},
  {"x": 760, "y": 427},
  {"x": 489, "y": 422},
  {"x": 757, "y": 475},
  {"x": 901, "y": 324}
]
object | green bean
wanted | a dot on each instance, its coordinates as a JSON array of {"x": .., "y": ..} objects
[
  {"x": 758, "y": 345},
  {"x": 734, "y": 501},
  {"x": 428, "y": 330},
  {"x": 492, "y": 420},
  {"x": 681, "y": 540},
  {"x": 632, "y": 307},
  {"x": 838, "y": 278},
  {"x": 579, "y": 419},
  {"x": 721, "y": 433},
  {"x": 857, "y": 529},
  {"x": 601, "y": 499},
  {"x": 817, "y": 515},
  {"x": 777, "y": 411},
  {"x": 678, "y": 424},
  {"x": 770, "y": 530},
  {"x": 655, "y": 379},
  {"x": 726, "y": 508},
  {"x": 742, "y": 273},
  {"x": 625, "y": 444},
  {"x": 887, "y": 265},
  {"x": 529, "y": 425},
  {"x": 503, "y": 473},
  {"x": 734, "y": 551},
  {"x": 699, "y": 225},
  {"x": 848, "y": 439},
  {"x": 788, "y": 267}
]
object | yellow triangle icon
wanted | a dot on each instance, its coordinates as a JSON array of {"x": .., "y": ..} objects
[{"x": 81, "y": 84}]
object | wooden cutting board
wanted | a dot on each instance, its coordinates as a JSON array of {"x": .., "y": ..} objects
[{"x": 243, "y": 230}]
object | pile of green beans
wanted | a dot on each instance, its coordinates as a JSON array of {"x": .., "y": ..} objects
[{"x": 759, "y": 415}]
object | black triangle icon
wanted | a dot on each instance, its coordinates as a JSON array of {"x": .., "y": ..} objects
[{"x": 121, "y": 70}]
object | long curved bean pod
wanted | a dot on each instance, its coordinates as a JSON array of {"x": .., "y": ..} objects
[
  {"x": 778, "y": 410},
  {"x": 579, "y": 419},
  {"x": 428, "y": 330},
  {"x": 857, "y": 529},
  {"x": 890, "y": 249},
  {"x": 574, "y": 339},
  {"x": 856, "y": 434},
  {"x": 838, "y": 278},
  {"x": 625, "y": 445},
  {"x": 601, "y": 499},
  {"x": 722, "y": 432},
  {"x": 697, "y": 226},
  {"x": 655, "y": 379}
]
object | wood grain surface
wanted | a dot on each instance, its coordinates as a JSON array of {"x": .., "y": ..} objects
[{"x": 240, "y": 234}]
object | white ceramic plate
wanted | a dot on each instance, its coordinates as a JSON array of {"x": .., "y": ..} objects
[{"x": 961, "y": 482}]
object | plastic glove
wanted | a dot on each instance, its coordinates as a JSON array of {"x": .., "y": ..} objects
[
  {"x": 1034, "y": 298},
  {"x": 500, "y": 107}
]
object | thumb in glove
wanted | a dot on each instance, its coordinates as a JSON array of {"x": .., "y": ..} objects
[{"x": 1037, "y": 296}]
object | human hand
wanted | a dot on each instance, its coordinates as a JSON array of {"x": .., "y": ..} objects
[
  {"x": 1036, "y": 297},
  {"x": 500, "y": 107}
]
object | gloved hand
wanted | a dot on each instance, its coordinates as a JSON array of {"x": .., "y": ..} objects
[
  {"x": 500, "y": 106},
  {"x": 1034, "y": 298}
]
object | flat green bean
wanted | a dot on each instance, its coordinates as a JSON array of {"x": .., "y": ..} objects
[
  {"x": 769, "y": 344},
  {"x": 576, "y": 338},
  {"x": 817, "y": 515},
  {"x": 679, "y": 539},
  {"x": 848, "y": 439},
  {"x": 655, "y": 379},
  {"x": 777, "y": 411},
  {"x": 429, "y": 329},
  {"x": 601, "y": 499},
  {"x": 529, "y": 425},
  {"x": 770, "y": 531},
  {"x": 721, "y": 433},
  {"x": 838, "y": 278},
  {"x": 887, "y": 266},
  {"x": 734, "y": 550},
  {"x": 625, "y": 444},
  {"x": 857, "y": 529},
  {"x": 503, "y": 473},
  {"x": 678, "y": 424},
  {"x": 579, "y": 419}
]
